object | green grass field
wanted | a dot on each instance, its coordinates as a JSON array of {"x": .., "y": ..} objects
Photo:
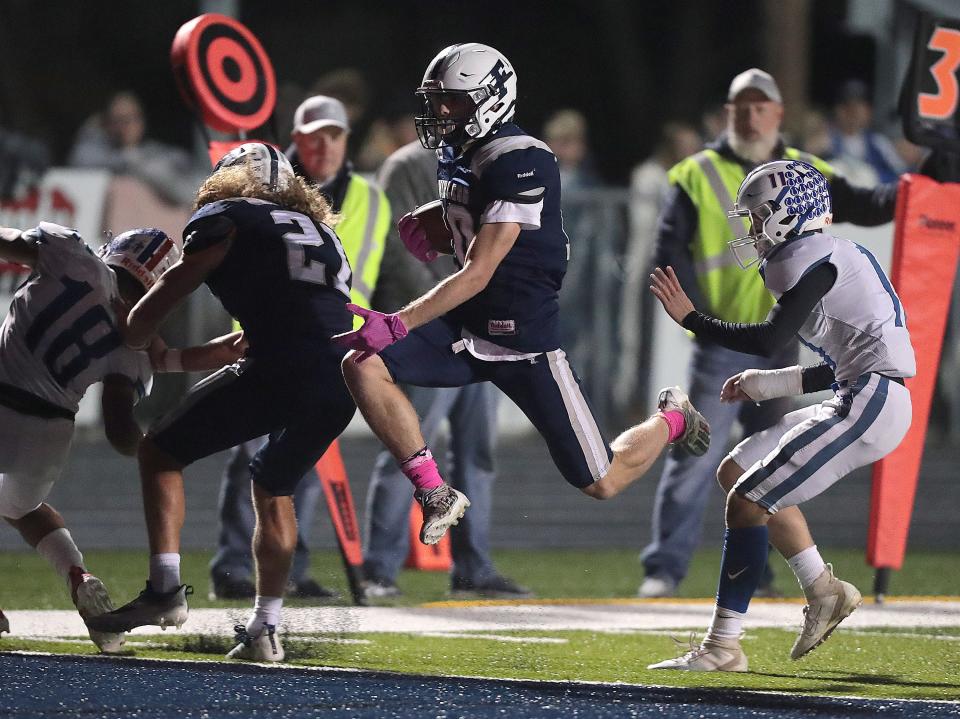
[
  {"x": 608, "y": 573},
  {"x": 922, "y": 663}
]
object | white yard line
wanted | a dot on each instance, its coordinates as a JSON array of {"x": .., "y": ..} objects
[{"x": 528, "y": 617}]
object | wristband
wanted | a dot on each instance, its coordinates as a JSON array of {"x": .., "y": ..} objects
[
  {"x": 171, "y": 361},
  {"x": 761, "y": 384}
]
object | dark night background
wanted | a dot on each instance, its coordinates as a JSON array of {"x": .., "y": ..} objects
[{"x": 629, "y": 66}]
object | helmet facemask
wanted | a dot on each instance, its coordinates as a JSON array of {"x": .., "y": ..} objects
[
  {"x": 455, "y": 129},
  {"x": 756, "y": 238}
]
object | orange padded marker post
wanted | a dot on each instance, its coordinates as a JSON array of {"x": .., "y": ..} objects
[
  {"x": 426, "y": 557},
  {"x": 926, "y": 249}
]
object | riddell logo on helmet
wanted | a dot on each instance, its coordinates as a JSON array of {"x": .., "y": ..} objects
[{"x": 932, "y": 223}]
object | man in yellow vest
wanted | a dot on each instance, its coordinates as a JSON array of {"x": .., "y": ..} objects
[
  {"x": 692, "y": 237},
  {"x": 319, "y": 154}
]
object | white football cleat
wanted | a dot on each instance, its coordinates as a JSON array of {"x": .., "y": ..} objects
[
  {"x": 442, "y": 508},
  {"x": 696, "y": 437},
  {"x": 829, "y": 602},
  {"x": 713, "y": 655},
  {"x": 91, "y": 599},
  {"x": 264, "y": 648}
]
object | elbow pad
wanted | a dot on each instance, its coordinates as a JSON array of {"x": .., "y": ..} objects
[{"x": 761, "y": 384}]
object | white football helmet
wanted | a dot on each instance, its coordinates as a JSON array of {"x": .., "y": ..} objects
[
  {"x": 146, "y": 253},
  {"x": 782, "y": 199},
  {"x": 270, "y": 166},
  {"x": 487, "y": 85}
]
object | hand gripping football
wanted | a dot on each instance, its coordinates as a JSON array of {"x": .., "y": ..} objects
[{"x": 430, "y": 218}]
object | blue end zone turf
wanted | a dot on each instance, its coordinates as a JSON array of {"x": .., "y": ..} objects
[{"x": 54, "y": 686}]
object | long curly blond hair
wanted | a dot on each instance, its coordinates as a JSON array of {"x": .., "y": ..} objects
[{"x": 240, "y": 181}]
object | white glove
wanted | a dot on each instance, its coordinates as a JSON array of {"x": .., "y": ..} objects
[{"x": 762, "y": 384}]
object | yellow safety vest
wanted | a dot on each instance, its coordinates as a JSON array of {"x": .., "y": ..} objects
[
  {"x": 363, "y": 227},
  {"x": 711, "y": 181}
]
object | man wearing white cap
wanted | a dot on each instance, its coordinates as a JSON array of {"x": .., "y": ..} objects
[
  {"x": 692, "y": 238},
  {"x": 318, "y": 154}
]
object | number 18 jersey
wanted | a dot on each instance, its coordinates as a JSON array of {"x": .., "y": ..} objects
[{"x": 60, "y": 334}]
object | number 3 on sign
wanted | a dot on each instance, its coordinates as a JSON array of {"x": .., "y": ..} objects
[{"x": 943, "y": 104}]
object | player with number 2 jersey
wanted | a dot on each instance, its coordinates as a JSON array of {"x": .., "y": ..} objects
[{"x": 260, "y": 242}]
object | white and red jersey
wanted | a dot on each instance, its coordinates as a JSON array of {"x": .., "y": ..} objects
[{"x": 60, "y": 335}]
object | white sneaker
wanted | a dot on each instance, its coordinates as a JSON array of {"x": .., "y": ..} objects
[
  {"x": 696, "y": 437},
  {"x": 829, "y": 602},
  {"x": 713, "y": 655},
  {"x": 264, "y": 648},
  {"x": 91, "y": 599},
  {"x": 442, "y": 508},
  {"x": 653, "y": 587}
]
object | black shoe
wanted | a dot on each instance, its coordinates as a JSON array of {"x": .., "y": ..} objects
[
  {"x": 496, "y": 586},
  {"x": 4, "y": 623},
  {"x": 160, "y": 609},
  {"x": 309, "y": 589},
  {"x": 231, "y": 588},
  {"x": 768, "y": 591}
]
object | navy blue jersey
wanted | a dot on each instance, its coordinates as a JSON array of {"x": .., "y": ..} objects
[
  {"x": 285, "y": 279},
  {"x": 509, "y": 177}
]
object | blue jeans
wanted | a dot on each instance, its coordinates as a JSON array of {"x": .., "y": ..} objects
[
  {"x": 472, "y": 413},
  {"x": 234, "y": 557},
  {"x": 687, "y": 481}
]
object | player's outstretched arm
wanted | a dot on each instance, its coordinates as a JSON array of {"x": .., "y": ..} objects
[
  {"x": 214, "y": 354},
  {"x": 13, "y": 248},
  {"x": 175, "y": 284},
  {"x": 120, "y": 427},
  {"x": 379, "y": 330},
  {"x": 666, "y": 287}
]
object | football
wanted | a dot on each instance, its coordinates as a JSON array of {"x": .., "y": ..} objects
[{"x": 430, "y": 217}]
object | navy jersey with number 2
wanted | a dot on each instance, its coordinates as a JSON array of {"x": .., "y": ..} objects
[
  {"x": 287, "y": 282},
  {"x": 286, "y": 279}
]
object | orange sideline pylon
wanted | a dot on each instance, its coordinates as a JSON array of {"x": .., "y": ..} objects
[
  {"x": 925, "y": 253},
  {"x": 426, "y": 557}
]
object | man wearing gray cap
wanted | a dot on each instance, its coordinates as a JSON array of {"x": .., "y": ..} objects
[
  {"x": 692, "y": 237},
  {"x": 319, "y": 155}
]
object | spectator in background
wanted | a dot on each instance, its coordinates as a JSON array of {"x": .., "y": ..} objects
[
  {"x": 321, "y": 127},
  {"x": 387, "y": 134},
  {"x": 648, "y": 187},
  {"x": 348, "y": 85},
  {"x": 566, "y": 135},
  {"x": 115, "y": 140},
  {"x": 815, "y": 134},
  {"x": 713, "y": 122},
  {"x": 409, "y": 177},
  {"x": 865, "y": 157},
  {"x": 23, "y": 160}
]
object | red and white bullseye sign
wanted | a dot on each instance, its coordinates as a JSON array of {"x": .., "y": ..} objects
[{"x": 224, "y": 72}]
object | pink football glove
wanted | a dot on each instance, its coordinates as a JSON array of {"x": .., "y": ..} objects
[
  {"x": 378, "y": 331},
  {"x": 415, "y": 239}
]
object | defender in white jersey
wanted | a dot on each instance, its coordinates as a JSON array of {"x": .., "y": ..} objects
[
  {"x": 59, "y": 337},
  {"x": 833, "y": 295}
]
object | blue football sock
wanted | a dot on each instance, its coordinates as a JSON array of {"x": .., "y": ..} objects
[{"x": 744, "y": 557}]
